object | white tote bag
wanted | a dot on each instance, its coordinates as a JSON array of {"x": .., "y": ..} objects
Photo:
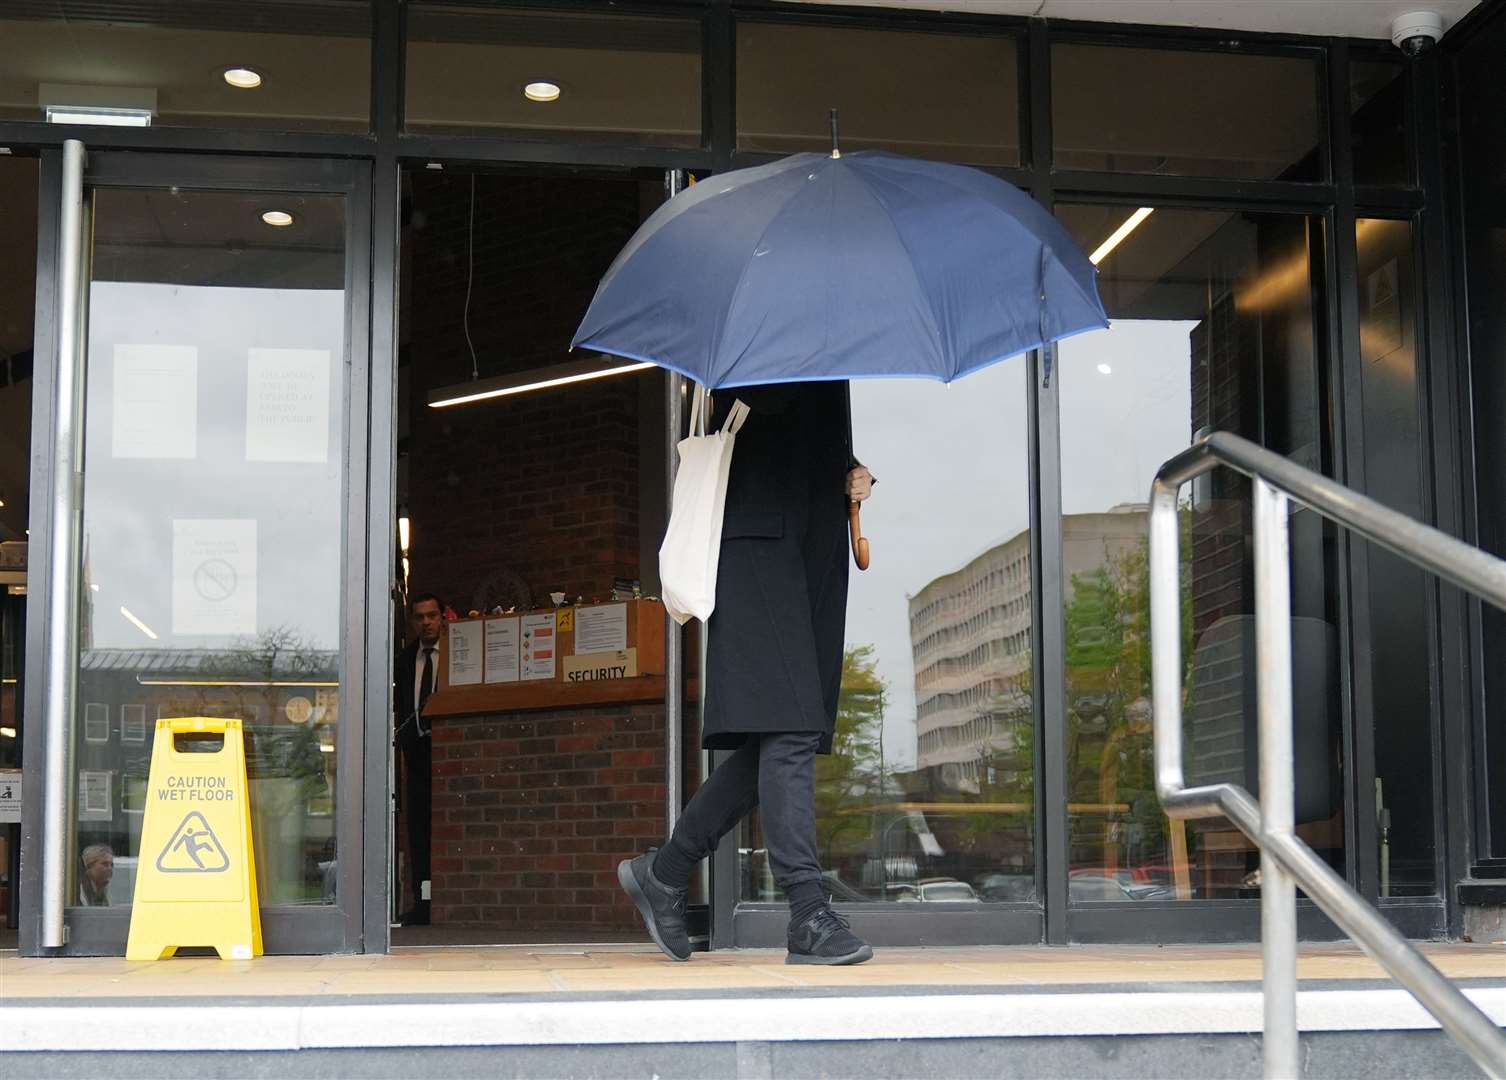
[{"x": 692, "y": 543}]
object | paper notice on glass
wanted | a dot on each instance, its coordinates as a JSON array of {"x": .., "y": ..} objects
[
  {"x": 600, "y": 629},
  {"x": 287, "y": 405},
  {"x": 464, "y": 647},
  {"x": 156, "y": 402},
  {"x": 501, "y": 650},
  {"x": 538, "y": 649},
  {"x": 214, "y": 576},
  {"x": 10, "y": 796}
]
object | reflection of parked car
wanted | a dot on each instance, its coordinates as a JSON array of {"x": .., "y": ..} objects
[
  {"x": 946, "y": 891},
  {"x": 1001, "y": 888},
  {"x": 1137, "y": 882},
  {"x": 1123, "y": 875},
  {"x": 1153, "y": 892},
  {"x": 1091, "y": 887}
]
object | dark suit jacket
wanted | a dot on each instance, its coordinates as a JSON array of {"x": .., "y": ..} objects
[
  {"x": 774, "y": 640},
  {"x": 402, "y": 694}
]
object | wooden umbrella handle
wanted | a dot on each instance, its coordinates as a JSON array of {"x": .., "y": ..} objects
[{"x": 855, "y": 528}]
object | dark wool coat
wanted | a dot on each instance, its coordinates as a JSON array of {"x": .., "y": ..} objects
[{"x": 774, "y": 640}]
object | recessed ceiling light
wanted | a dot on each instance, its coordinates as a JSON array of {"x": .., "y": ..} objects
[
  {"x": 1104, "y": 369},
  {"x": 243, "y": 78},
  {"x": 542, "y": 91},
  {"x": 278, "y": 219}
]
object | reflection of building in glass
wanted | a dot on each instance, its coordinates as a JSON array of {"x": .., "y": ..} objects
[
  {"x": 286, "y": 694},
  {"x": 970, "y": 638}
]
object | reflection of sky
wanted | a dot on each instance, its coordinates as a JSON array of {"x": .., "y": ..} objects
[
  {"x": 953, "y": 461},
  {"x": 130, "y": 504}
]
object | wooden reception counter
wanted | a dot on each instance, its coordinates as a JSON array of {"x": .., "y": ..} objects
[{"x": 503, "y": 667}]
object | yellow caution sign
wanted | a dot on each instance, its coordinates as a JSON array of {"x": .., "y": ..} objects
[{"x": 196, "y": 880}]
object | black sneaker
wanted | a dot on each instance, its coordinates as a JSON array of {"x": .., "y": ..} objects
[
  {"x": 826, "y": 938},
  {"x": 662, "y": 907}
]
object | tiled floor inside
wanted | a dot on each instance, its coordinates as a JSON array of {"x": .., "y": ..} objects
[{"x": 593, "y": 969}]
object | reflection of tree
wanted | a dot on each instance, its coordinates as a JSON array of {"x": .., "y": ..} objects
[
  {"x": 1109, "y": 692},
  {"x": 250, "y": 678},
  {"x": 852, "y": 776}
]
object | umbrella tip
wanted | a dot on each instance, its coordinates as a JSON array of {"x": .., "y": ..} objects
[{"x": 836, "y": 150}]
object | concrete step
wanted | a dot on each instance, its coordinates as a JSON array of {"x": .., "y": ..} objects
[{"x": 1164, "y": 1030}]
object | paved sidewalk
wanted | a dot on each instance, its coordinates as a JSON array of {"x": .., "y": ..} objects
[{"x": 615, "y": 969}]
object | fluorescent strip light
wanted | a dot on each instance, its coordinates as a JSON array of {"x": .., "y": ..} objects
[
  {"x": 98, "y": 116},
  {"x": 524, "y": 381},
  {"x": 404, "y": 533},
  {"x": 1117, "y": 237},
  {"x": 143, "y": 627},
  {"x": 232, "y": 682},
  {"x": 8, "y": 732}
]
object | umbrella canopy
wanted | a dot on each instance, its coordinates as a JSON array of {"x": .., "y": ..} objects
[{"x": 826, "y": 267}]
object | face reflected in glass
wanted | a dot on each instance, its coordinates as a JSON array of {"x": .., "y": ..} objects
[{"x": 100, "y": 868}]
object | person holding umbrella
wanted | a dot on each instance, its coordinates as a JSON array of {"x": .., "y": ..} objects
[
  {"x": 775, "y": 284},
  {"x": 774, "y": 666}
]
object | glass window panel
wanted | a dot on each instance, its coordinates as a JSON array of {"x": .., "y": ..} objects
[
  {"x": 1394, "y": 457},
  {"x": 929, "y": 794},
  {"x": 1482, "y": 165},
  {"x": 1213, "y": 316},
  {"x": 618, "y": 79},
  {"x": 1132, "y": 110},
  {"x": 943, "y": 96},
  {"x": 1378, "y": 122},
  {"x": 212, "y": 516},
  {"x": 312, "y": 57}
]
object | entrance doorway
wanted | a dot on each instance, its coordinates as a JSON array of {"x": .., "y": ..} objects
[
  {"x": 195, "y": 462},
  {"x": 531, "y": 489}
]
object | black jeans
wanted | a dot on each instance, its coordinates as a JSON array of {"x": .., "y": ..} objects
[{"x": 775, "y": 772}]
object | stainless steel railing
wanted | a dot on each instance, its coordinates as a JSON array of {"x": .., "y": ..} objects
[{"x": 1286, "y": 861}]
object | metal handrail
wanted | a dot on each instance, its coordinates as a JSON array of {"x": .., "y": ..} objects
[{"x": 1286, "y": 861}]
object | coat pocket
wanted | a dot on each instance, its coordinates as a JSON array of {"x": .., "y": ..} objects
[{"x": 753, "y": 524}]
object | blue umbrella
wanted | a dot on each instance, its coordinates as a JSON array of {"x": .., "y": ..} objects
[{"x": 842, "y": 266}]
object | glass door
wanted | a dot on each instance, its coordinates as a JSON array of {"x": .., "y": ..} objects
[{"x": 201, "y": 544}]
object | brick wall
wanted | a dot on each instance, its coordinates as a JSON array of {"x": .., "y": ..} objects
[
  {"x": 533, "y": 811},
  {"x": 544, "y": 484}
]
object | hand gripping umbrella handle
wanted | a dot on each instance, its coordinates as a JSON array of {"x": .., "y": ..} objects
[{"x": 855, "y": 528}]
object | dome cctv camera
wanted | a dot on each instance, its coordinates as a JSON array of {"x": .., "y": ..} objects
[{"x": 1416, "y": 31}]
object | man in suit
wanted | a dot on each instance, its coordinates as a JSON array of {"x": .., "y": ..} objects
[
  {"x": 773, "y": 665},
  {"x": 414, "y": 680}
]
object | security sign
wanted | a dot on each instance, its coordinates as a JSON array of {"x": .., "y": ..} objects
[{"x": 197, "y": 880}]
